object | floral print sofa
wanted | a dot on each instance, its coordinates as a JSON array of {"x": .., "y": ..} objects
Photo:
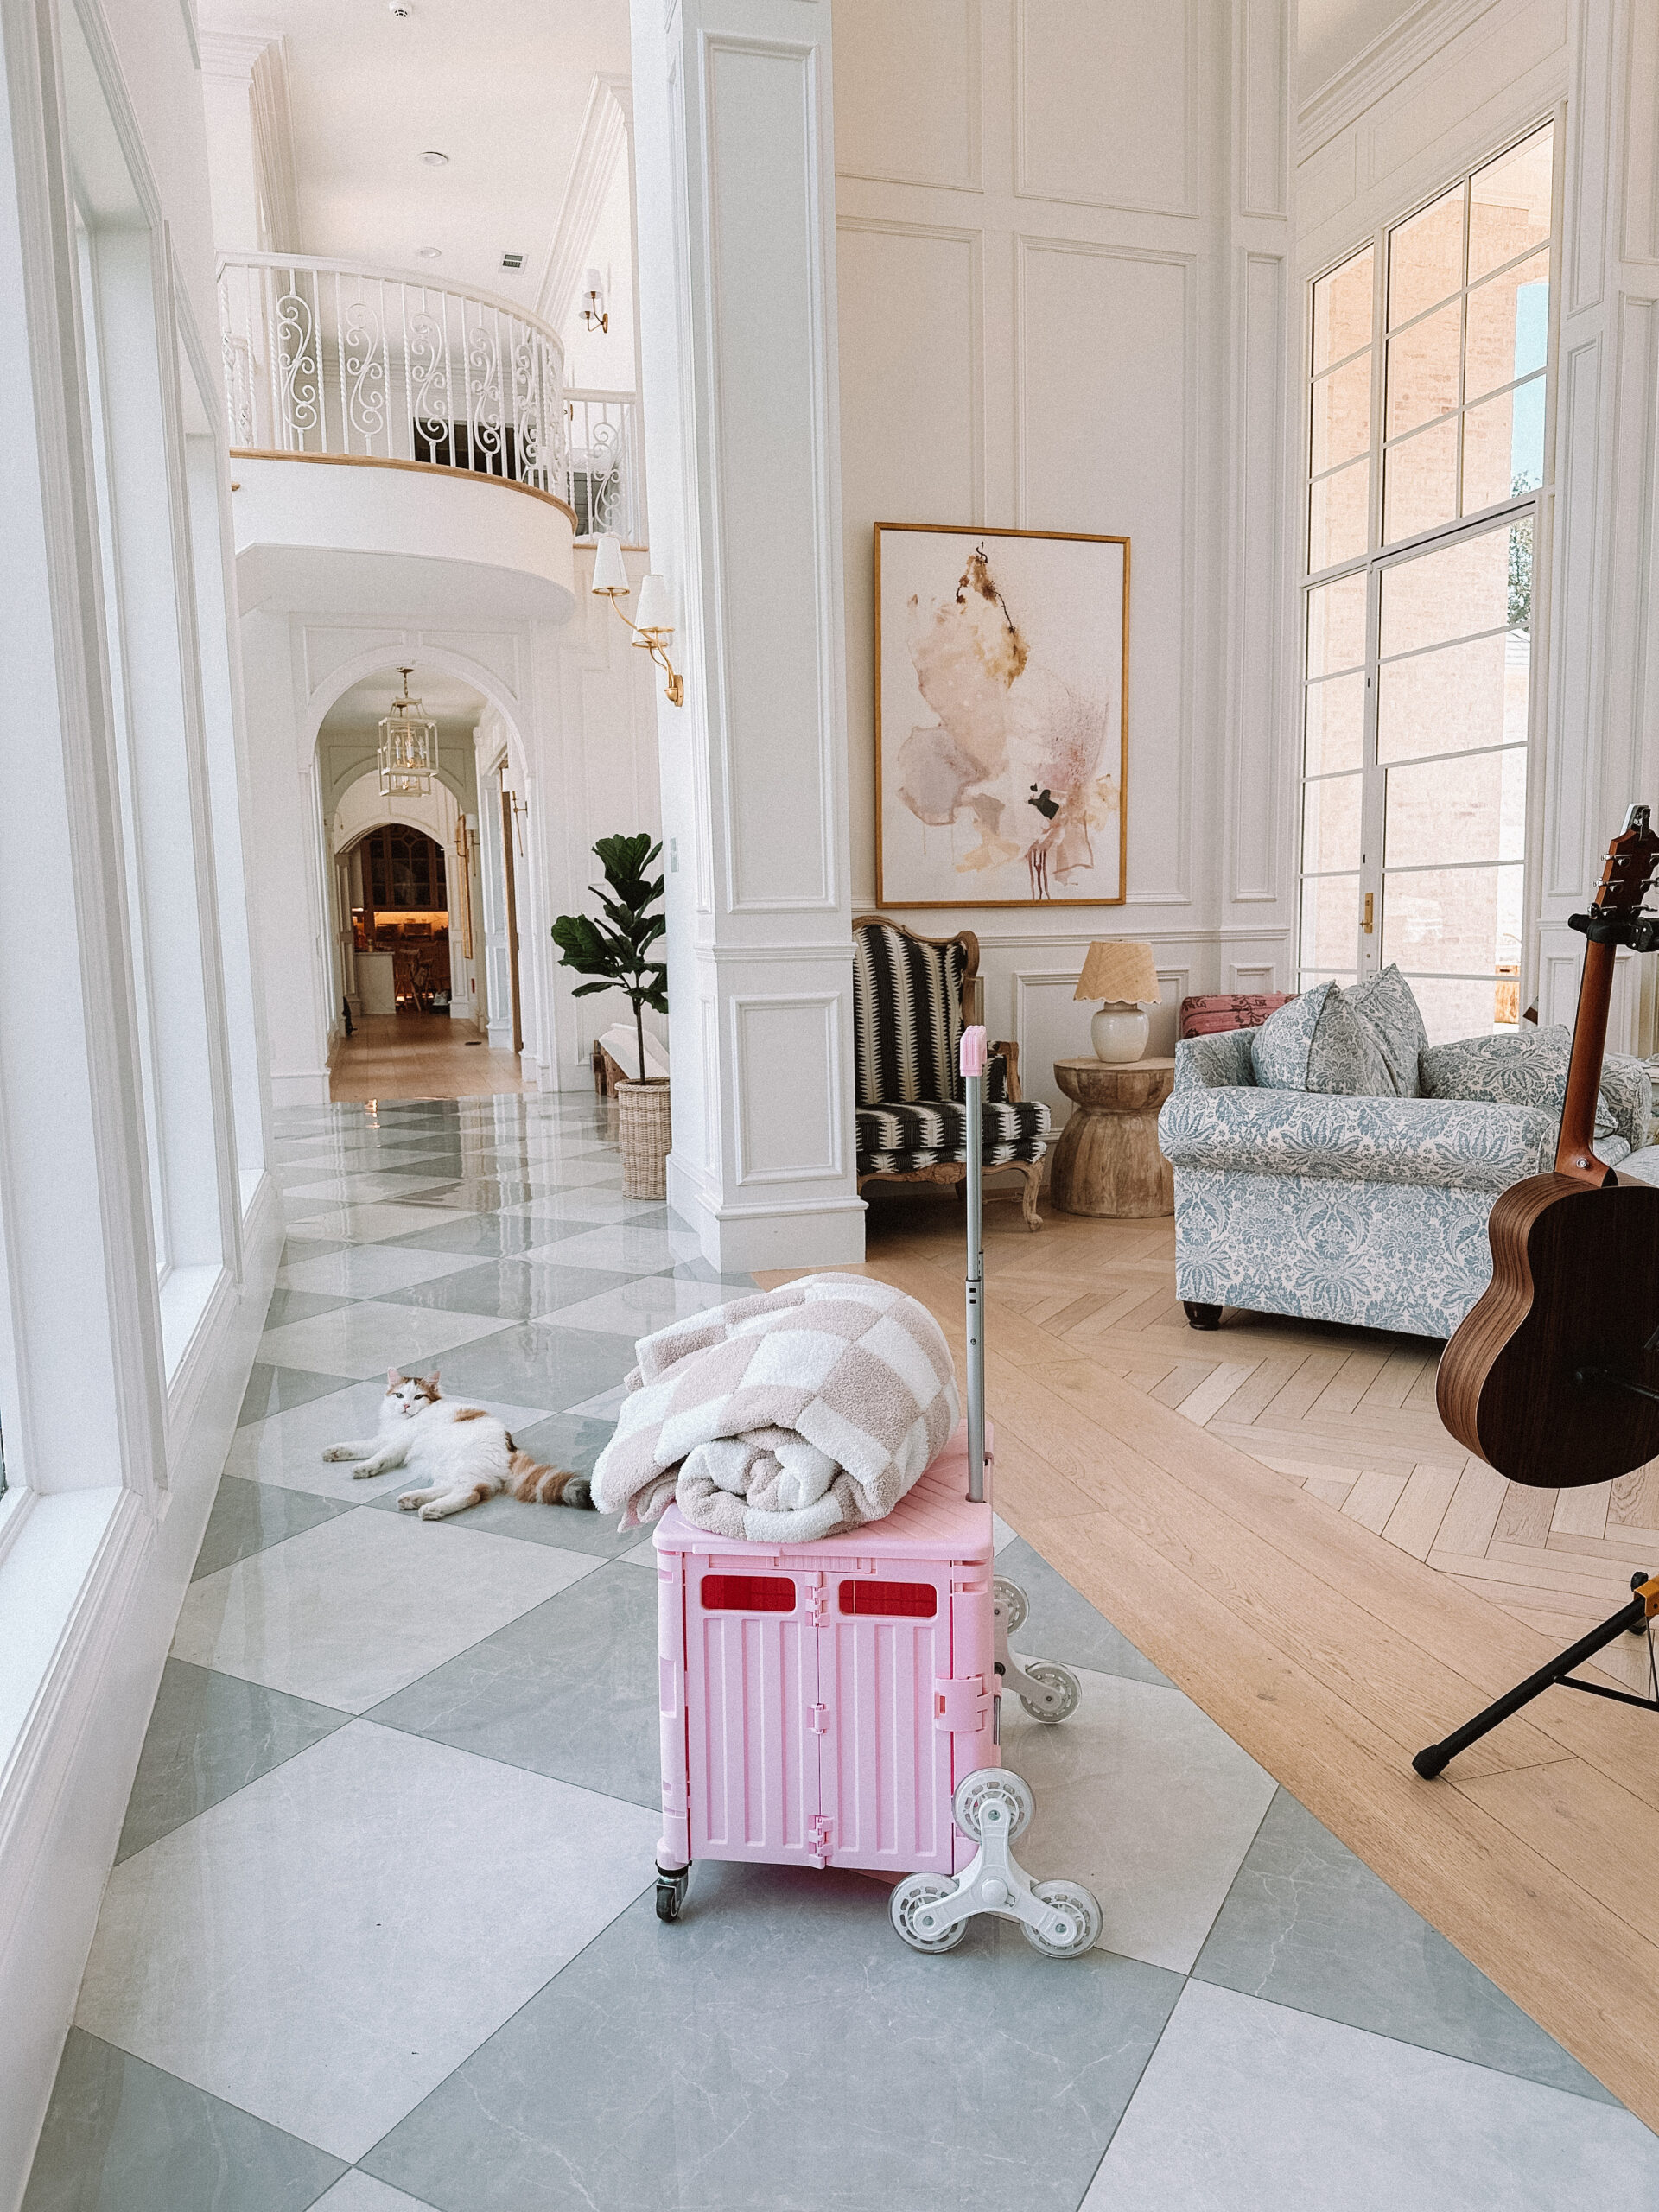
[{"x": 1370, "y": 1211}]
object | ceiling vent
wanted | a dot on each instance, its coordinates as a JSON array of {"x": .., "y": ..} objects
[{"x": 512, "y": 261}]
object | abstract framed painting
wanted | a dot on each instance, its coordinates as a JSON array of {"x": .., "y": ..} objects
[{"x": 1002, "y": 716}]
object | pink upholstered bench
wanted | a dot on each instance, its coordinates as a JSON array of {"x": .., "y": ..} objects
[{"x": 1204, "y": 1017}]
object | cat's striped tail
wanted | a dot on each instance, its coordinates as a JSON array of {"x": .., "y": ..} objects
[{"x": 534, "y": 1484}]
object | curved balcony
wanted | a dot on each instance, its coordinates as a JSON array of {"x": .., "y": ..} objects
[{"x": 429, "y": 428}]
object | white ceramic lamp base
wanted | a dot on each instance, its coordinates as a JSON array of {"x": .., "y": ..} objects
[{"x": 1120, "y": 1033}]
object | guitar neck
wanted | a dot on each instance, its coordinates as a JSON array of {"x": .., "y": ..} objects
[{"x": 1573, "y": 1153}]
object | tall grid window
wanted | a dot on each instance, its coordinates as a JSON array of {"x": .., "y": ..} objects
[{"x": 1427, "y": 375}]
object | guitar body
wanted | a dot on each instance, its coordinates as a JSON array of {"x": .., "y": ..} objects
[{"x": 1575, "y": 1289}]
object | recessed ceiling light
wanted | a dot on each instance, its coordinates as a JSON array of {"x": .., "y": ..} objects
[
  {"x": 429, "y": 253},
  {"x": 435, "y": 159},
  {"x": 512, "y": 261}
]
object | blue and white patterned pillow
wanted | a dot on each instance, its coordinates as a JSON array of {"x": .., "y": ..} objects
[
  {"x": 1528, "y": 1068},
  {"x": 1318, "y": 1042},
  {"x": 1385, "y": 1004}
]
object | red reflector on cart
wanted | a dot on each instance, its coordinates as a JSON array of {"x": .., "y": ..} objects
[
  {"x": 913, "y": 1601},
  {"x": 748, "y": 1593}
]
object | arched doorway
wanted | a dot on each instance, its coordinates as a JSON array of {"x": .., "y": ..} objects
[{"x": 398, "y": 880}]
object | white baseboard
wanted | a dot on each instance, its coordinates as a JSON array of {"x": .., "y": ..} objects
[
  {"x": 307, "y": 1087},
  {"x": 826, "y": 1232},
  {"x": 64, "y": 1792}
]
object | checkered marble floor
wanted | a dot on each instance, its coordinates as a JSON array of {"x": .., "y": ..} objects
[{"x": 380, "y": 1933}]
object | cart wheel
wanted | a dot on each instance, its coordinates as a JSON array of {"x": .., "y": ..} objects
[
  {"x": 1052, "y": 1675},
  {"x": 1012, "y": 1601},
  {"x": 908, "y": 1899},
  {"x": 1072, "y": 1897},
  {"x": 977, "y": 1789},
  {"x": 671, "y": 1893}
]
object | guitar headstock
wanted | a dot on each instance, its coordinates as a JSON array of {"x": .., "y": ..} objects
[{"x": 1628, "y": 875}]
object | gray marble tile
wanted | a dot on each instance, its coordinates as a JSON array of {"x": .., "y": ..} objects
[
  {"x": 487, "y": 1234},
  {"x": 121, "y": 2136},
  {"x": 566, "y": 1440},
  {"x": 363, "y": 1605},
  {"x": 286, "y": 1449},
  {"x": 247, "y": 1516},
  {"x": 289, "y": 1305},
  {"x": 483, "y": 1193},
  {"x": 210, "y": 1735},
  {"x": 311, "y": 1247},
  {"x": 368, "y": 1270},
  {"x": 359, "y": 2192},
  {"x": 1249, "y": 2107},
  {"x": 780, "y": 2050},
  {"x": 640, "y": 1305},
  {"x": 1306, "y": 1923},
  {"x": 567, "y": 1529},
  {"x": 569, "y": 1690},
  {"x": 516, "y": 1288},
  {"x": 1063, "y": 1625},
  {"x": 540, "y": 1364},
  {"x": 369, "y": 1335},
  {"x": 1140, "y": 1796},
  {"x": 274, "y": 1389},
  {"x": 327, "y": 1945},
  {"x": 373, "y": 1223}
]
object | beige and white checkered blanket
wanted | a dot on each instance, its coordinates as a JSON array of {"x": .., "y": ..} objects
[{"x": 781, "y": 1418}]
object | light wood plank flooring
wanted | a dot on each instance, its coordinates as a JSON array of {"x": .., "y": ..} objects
[
  {"x": 419, "y": 1056},
  {"x": 1275, "y": 1516}
]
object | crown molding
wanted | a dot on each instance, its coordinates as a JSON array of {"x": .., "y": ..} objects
[
  {"x": 606, "y": 132},
  {"x": 1413, "y": 38},
  {"x": 227, "y": 51}
]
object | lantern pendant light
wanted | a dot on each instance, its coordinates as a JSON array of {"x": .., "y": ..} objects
[{"x": 408, "y": 747}]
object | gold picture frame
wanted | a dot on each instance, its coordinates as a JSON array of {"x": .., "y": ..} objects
[{"x": 1061, "y": 614}]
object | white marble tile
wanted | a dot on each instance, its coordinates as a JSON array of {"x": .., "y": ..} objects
[
  {"x": 1140, "y": 1796},
  {"x": 365, "y": 1224},
  {"x": 368, "y": 1270},
  {"x": 1247, "y": 2106},
  {"x": 595, "y": 1203},
  {"x": 636, "y": 1309},
  {"x": 638, "y": 1247},
  {"x": 324, "y": 1947},
  {"x": 287, "y": 1448},
  {"x": 365, "y": 1185},
  {"x": 642, "y": 1555},
  {"x": 370, "y": 1337},
  {"x": 604, "y": 1405},
  {"x": 362, "y": 1605},
  {"x": 360, "y": 2192},
  {"x": 1001, "y": 1535}
]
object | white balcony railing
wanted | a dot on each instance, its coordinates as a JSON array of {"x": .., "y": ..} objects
[
  {"x": 603, "y": 456},
  {"x": 325, "y": 359}
]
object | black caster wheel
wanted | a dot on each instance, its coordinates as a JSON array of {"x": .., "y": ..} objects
[
  {"x": 671, "y": 1892},
  {"x": 1200, "y": 1316}
]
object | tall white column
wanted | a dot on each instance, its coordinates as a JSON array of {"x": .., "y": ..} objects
[
  {"x": 736, "y": 196},
  {"x": 1603, "y": 646}
]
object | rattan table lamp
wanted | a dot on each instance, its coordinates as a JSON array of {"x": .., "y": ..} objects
[{"x": 1124, "y": 976}]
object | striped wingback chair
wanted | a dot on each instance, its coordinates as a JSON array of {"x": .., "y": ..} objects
[{"x": 912, "y": 1120}]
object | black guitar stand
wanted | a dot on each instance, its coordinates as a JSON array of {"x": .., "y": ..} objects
[{"x": 1631, "y": 1620}]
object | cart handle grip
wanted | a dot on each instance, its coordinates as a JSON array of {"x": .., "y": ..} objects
[{"x": 974, "y": 1050}]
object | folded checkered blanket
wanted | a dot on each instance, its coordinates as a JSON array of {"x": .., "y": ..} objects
[{"x": 781, "y": 1418}]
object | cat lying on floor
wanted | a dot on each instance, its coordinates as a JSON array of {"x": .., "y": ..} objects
[{"x": 466, "y": 1452}]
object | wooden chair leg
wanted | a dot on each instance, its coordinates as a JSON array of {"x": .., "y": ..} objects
[{"x": 1033, "y": 1172}]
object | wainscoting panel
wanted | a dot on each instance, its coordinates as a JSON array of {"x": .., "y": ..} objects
[{"x": 907, "y": 96}]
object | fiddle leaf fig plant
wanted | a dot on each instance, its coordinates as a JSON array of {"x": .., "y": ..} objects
[{"x": 615, "y": 952}]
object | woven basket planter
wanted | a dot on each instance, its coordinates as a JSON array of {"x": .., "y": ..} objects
[{"x": 646, "y": 1128}]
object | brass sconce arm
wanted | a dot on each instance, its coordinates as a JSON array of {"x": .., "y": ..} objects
[{"x": 651, "y": 634}]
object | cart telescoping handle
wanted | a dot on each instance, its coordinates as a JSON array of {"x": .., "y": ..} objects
[{"x": 973, "y": 1071}]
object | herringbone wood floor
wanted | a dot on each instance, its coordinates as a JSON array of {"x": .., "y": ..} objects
[{"x": 1349, "y": 1414}]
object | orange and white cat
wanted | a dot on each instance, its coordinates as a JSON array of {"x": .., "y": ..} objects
[{"x": 465, "y": 1453}]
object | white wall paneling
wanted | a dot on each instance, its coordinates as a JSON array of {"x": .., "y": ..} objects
[
  {"x": 733, "y": 150},
  {"x": 1092, "y": 336}
]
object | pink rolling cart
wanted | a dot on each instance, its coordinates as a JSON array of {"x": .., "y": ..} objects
[{"x": 836, "y": 1703}]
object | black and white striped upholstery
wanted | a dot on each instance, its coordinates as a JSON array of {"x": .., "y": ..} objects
[{"x": 907, "y": 1027}]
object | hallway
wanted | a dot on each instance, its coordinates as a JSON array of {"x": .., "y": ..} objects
[{"x": 419, "y": 1056}]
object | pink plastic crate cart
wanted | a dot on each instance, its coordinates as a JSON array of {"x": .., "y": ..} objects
[{"x": 836, "y": 1703}]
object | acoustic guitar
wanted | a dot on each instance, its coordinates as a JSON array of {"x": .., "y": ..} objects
[{"x": 1552, "y": 1375}]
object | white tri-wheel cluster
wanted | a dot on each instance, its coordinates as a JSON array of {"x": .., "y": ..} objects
[{"x": 994, "y": 1806}]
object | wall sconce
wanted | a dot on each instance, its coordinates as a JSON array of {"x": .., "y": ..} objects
[
  {"x": 592, "y": 311},
  {"x": 656, "y": 625}
]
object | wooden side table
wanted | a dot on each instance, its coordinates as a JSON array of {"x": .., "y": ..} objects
[{"x": 1108, "y": 1161}]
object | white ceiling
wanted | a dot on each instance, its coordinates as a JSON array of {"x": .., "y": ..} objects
[
  {"x": 1330, "y": 34},
  {"x": 500, "y": 86}
]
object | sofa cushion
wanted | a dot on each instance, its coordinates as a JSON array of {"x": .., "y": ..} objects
[
  {"x": 1318, "y": 1042},
  {"x": 1518, "y": 1070},
  {"x": 902, "y": 1134},
  {"x": 1386, "y": 1007}
]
